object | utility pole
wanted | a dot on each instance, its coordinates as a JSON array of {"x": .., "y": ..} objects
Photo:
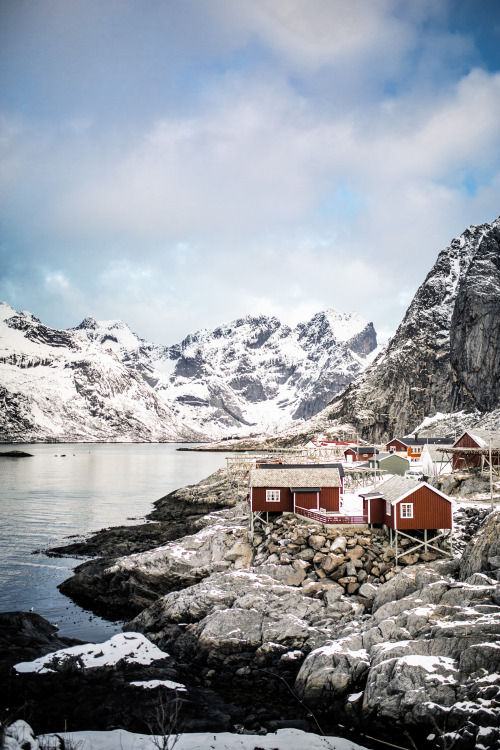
[{"x": 491, "y": 480}]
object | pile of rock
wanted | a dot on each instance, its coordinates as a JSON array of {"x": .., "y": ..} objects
[{"x": 357, "y": 559}]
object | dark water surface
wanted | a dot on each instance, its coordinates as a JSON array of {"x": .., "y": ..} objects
[{"x": 69, "y": 489}]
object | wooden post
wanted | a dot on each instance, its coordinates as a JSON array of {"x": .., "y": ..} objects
[
  {"x": 491, "y": 478},
  {"x": 251, "y": 525},
  {"x": 425, "y": 540},
  {"x": 396, "y": 548}
]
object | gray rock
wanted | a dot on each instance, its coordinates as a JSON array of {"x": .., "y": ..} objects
[
  {"x": 332, "y": 671},
  {"x": 400, "y": 586},
  {"x": 368, "y": 590}
]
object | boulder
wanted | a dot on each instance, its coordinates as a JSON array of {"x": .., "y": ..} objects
[
  {"x": 430, "y": 650},
  {"x": 129, "y": 584},
  {"x": 485, "y": 545}
]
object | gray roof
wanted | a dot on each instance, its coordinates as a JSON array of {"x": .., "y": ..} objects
[
  {"x": 303, "y": 477},
  {"x": 396, "y": 487},
  {"x": 422, "y": 441},
  {"x": 280, "y": 467},
  {"x": 435, "y": 454}
]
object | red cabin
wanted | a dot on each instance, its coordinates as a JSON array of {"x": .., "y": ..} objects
[
  {"x": 476, "y": 439},
  {"x": 404, "y": 504},
  {"x": 359, "y": 453},
  {"x": 287, "y": 488}
]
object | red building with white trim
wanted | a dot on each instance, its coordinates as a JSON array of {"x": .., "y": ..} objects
[
  {"x": 408, "y": 504},
  {"x": 287, "y": 488}
]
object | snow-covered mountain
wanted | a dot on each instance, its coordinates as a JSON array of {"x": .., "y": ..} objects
[
  {"x": 99, "y": 381},
  {"x": 445, "y": 356},
  {"x": 55, "y": 385}
]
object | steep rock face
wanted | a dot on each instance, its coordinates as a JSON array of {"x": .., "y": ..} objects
[
  {"x": 482, "y": 554},
  {"x": 445, "y": 354},
  {"x": 99, "y": 381},
  {"x": 475, "y": 329}
]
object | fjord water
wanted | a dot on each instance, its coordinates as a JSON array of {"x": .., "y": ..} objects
[{"x": 70, "y": 489}]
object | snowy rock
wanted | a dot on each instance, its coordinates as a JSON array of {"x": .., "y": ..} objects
[
  {"x": 103, "y": 382},
  {"x": 240, "y": 611},
  {"x": 131, "y": 583},
  {"x": 483, "y": 550},
  {"x": 430, "y": 654}
]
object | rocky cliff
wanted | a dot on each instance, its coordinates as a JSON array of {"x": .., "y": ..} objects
[{"x": 445, "y": 355}]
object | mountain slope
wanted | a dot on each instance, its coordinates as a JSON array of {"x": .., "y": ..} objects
[
  {"x": 445, "y": 355},
  {"x": 99, "y": 381},
  {"x": 56, "y": 387}
]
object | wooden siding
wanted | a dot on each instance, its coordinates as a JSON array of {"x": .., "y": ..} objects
[
  {"x": 460, "y": 462},
  {"x": 394, "y": 464},
  {"x": 258, "y": 499},
  {"x": 360, "y": 456},
  {"x": 430, "y": 511},
  {"x": 376, "y": 514},
  {"x": 395, "y": 443},
  {"x": 329, "y": 499},
  {"x": 307, "y": 500}
]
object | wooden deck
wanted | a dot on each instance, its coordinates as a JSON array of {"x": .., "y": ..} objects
[{"x": 331, "y": 518}]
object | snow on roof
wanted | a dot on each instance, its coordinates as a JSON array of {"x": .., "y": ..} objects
[
  {"x": 303, "y": 477},
  {"x": 435, "y": 453}
]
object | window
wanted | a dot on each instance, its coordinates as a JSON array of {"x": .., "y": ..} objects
[
  {"x": 272, "y": 496},
  {"x": 406, "y": 510},
  {"x": 387, "y": 508}
]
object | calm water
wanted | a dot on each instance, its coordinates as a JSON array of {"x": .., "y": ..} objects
[{"x": 72, "y": 489}]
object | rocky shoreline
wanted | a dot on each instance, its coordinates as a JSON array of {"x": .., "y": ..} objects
[{"x": 295, "y": 626}]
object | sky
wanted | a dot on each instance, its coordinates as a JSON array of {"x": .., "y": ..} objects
[{"x": 178, "y": 164}]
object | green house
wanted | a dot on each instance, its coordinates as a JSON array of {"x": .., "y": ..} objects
[{"x": 390, "y": 462}]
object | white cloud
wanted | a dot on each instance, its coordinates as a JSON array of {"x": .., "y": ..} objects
[{"x": 321, "y": 157}]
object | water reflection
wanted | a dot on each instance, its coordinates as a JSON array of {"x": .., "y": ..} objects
[{"x": 46, "y": 498}]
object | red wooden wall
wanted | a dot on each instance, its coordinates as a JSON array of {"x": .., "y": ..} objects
[
  {"x": 307, "y": 500},
  {"x": 395, "y": 443},
  {"x": 329, "y": 499},
  {"x": 258, "y": 499},
  {"x": 457, "y": 461},
  {"x": 430, "y": 511},
  {"x": 377, "y": 506}
]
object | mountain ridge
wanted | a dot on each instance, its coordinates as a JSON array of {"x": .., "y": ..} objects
[{"x": 243, "y": 376}]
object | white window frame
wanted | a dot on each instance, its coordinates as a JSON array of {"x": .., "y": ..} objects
[
  {"x": 273, "y": 496},
  {"x": 388, "y": 508},
  {"x": 406, "y": 510}
]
